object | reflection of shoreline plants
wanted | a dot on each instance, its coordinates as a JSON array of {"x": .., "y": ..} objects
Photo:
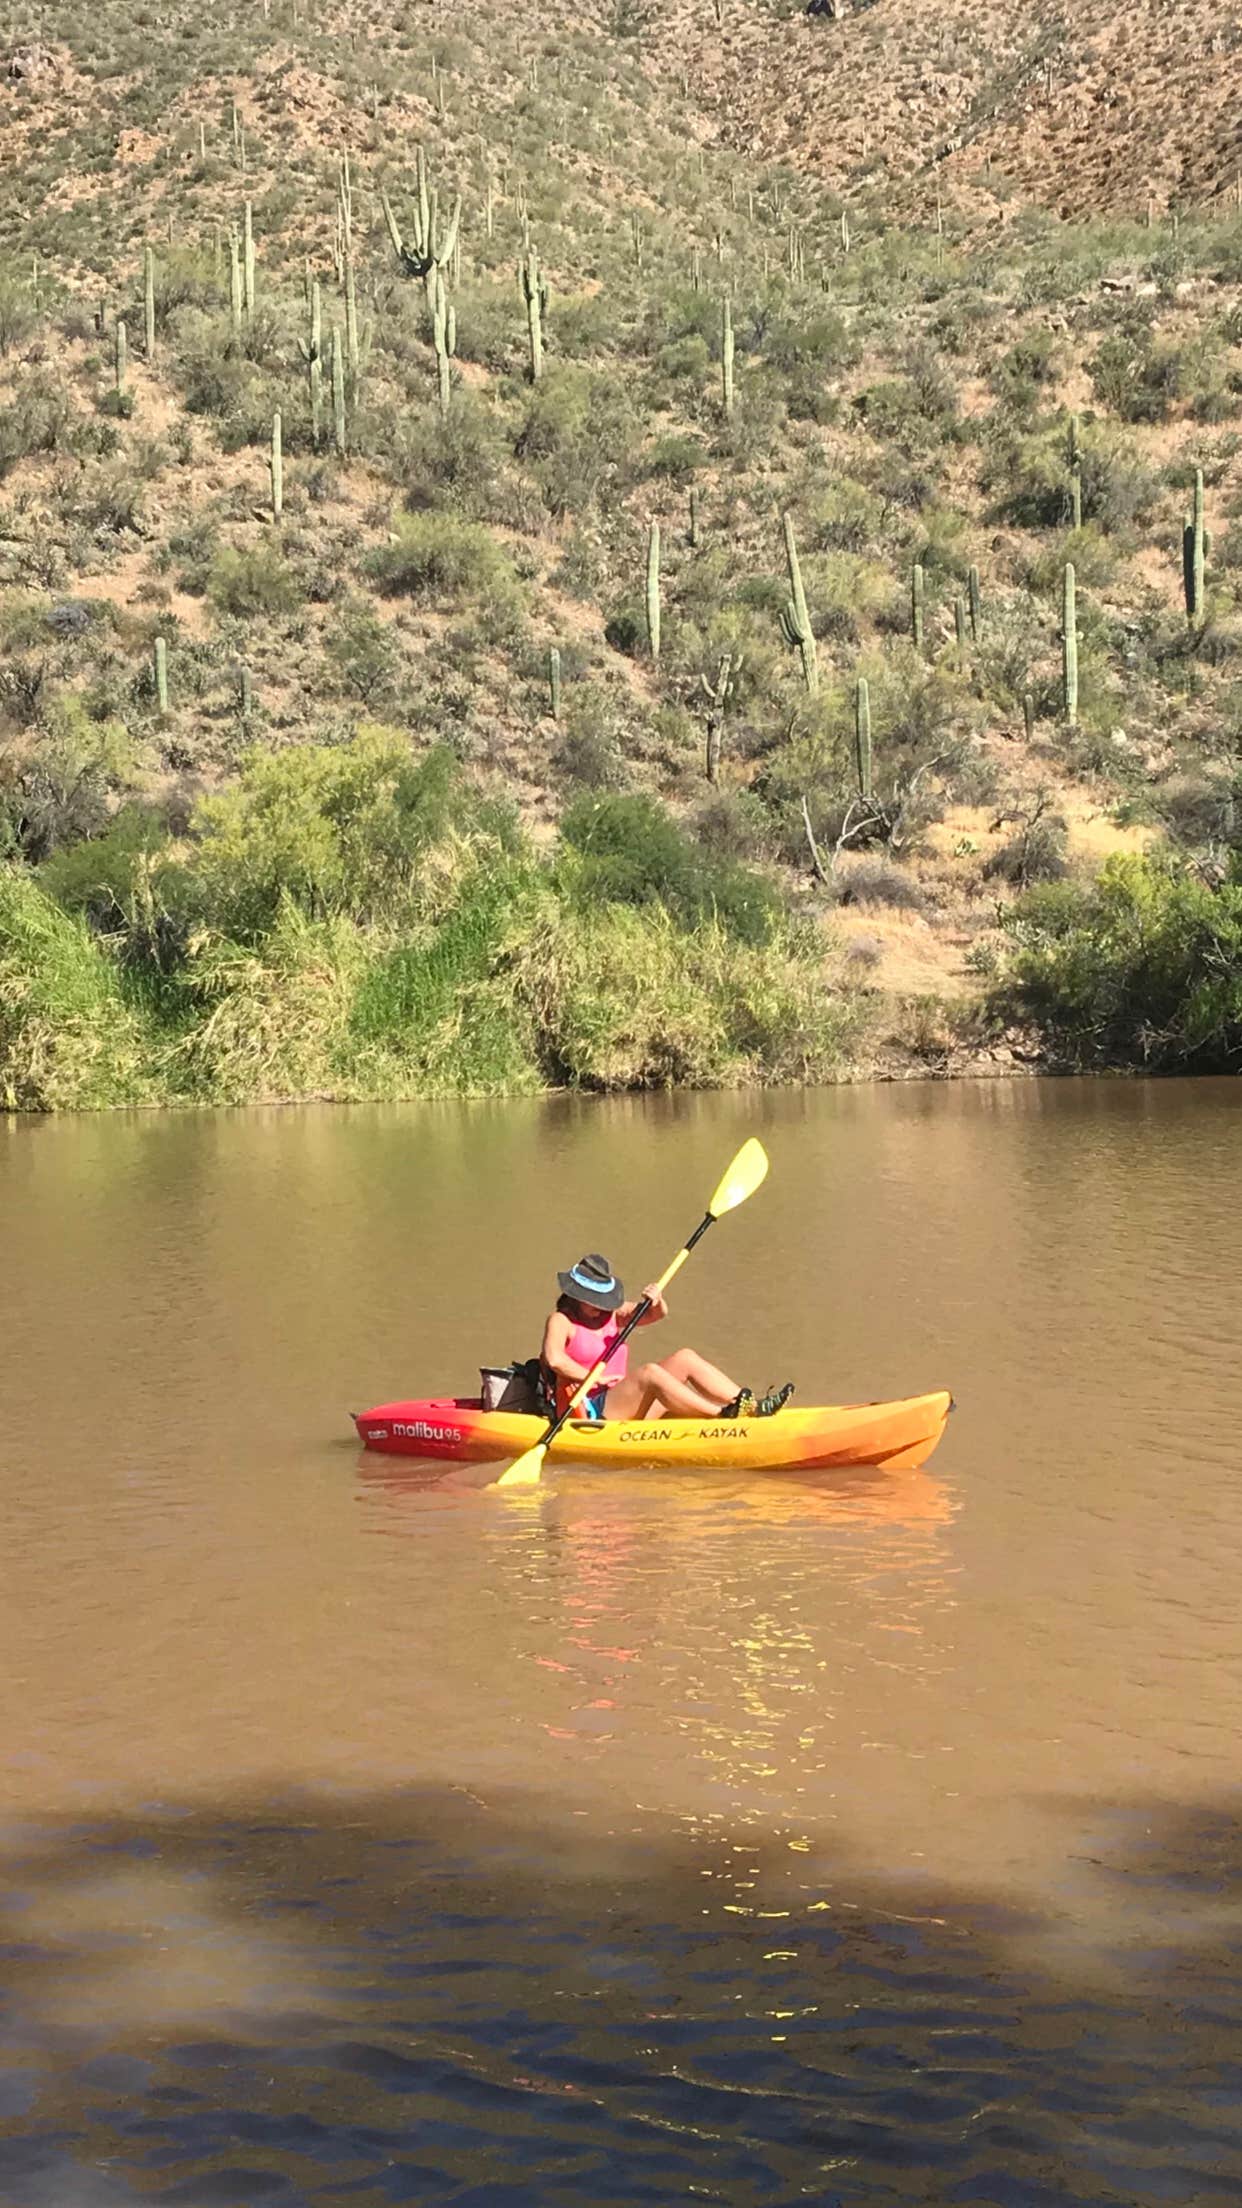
[{"x": 352, "y": 922}]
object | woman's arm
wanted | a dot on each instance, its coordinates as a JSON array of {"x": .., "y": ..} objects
[
  {"x": 555, "y": 1353},
  {"x": 658, "y": 1311}
]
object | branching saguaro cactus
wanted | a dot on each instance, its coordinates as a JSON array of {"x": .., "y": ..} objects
[
  {"x": 535, "y": 293},
  {"x": 918, "y": 593},
  {"x": 726, "y": 356},
  {"x": 653, "y": 591},
  {"x": 1194, "y": 558},
  {"x": 862, "y": 735},
  {"x": 1069, "y": 646},
  {"x": 718, "y": 694},
  {"x": 795, "y": 620},
  {"x": 432, "y": 244}
]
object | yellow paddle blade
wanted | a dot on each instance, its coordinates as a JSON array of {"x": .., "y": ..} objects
[
  {"x": 526, "y": 1470},
  {"x": 742, "y": 1179}
]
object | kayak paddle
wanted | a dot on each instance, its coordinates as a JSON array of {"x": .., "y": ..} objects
[{"x": 741, "y": 1180}]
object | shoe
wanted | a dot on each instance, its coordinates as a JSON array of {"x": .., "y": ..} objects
[
  {"x": 742, "y": 1406},
  {"x": 774, "y": 1401}
]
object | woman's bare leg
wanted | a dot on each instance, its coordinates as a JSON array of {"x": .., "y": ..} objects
[
  {"x": 655, "y": 1391},
  {"x": 687, "y": 1365}
]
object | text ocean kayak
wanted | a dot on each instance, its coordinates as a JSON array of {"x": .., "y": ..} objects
[{"x": 457, "y": 1429}]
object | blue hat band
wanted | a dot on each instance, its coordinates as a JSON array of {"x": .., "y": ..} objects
[{"x": 592, "y": 1287}]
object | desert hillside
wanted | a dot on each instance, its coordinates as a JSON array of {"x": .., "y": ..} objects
[{"x": 787, "y": 469}]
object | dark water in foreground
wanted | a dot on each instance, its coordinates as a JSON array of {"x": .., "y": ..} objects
[{"x": 367, "y": 1838}]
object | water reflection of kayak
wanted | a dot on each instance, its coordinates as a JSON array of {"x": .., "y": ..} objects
[{"x": 456, "y": 1429}]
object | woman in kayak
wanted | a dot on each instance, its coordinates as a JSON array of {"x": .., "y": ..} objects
[{"x": 589, "y": 1316}]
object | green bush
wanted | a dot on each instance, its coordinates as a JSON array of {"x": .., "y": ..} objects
[
  {"x": 437, "y": 556},
  {"x": 630, "y": 850},
  {"x": 68, "y": 1038},
  {"x": 252, "y": 579},
  {"x": 1143, "y": 969}
]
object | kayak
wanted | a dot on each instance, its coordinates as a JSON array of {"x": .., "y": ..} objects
[{"x": 456, "y": 1429}]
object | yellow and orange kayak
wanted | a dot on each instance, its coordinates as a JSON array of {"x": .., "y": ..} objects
[{"x": 456, "y": 1429}]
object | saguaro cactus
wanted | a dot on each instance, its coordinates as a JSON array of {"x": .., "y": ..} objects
[
  {"x": 554, "y": 681},
  {"x": 1069, "y": 646},
  {"x": 148, "y": 302},
  {"x": 726, "y": 355},
  {"x": 917, "y": 596},
  {"x": 236, "y": 293},
  {"x": 718, "y": 694},
  {"x": 1194, "y": 557},
  {"x": 122, "y": 359},
  {"x": 862, "y": 735},
  {"x": 443, "y": 349},
  {"x": 653, "y": 591},
  {"x": 431, "y": 246},
  {"x": 248, "y": 270},
  {"x": 278, "y": 468},
  {"x": 535, "y": 293},
  {"x": 312, "y": 353},
  {"x": 795, "y": 620},
  {"x": 693, "y": 530},
  {"x": 976, "y": 605},
  {"x": 339, "y": 434}
]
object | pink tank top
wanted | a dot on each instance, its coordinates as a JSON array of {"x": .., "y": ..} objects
[{"x": 586, "y": 1343}]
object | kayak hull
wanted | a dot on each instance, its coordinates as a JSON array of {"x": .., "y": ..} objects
[{"x": 456, "y": 1429}]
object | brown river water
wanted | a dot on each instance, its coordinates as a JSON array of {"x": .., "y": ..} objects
[{"x": 370, "y": 1837}]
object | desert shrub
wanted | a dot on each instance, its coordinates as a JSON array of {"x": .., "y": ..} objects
[
  {"x": 578, "y": 427},
  {"x": 437, "y": 556},
  {"x": 252, "y": 579},
  {"x": 458, "y": 462},
  {"x": 1137, "y": 375},
  {"x": 1144, "y": 969},
  {"x": 630, "y": 850},
  {"x": 40, "y": 418},
  {"x": 589, "y": 753},
  {"x": 363, "y": 652},
  {"x": 675, "y": 457},
  {"x": 875, "y": 881},
  {"x": 131, "y": 885},
  {"x": 61, "y": 785},
  {"x": 333, "y": 829},
  {"x": 1038, "y": 852},
  {"x": 18, "y": 315}
]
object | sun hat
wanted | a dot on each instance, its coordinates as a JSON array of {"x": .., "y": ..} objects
[{"x": 592, "y": 1281}]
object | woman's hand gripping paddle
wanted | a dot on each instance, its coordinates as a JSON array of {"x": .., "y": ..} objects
[{"x": 741, "y": 1180}]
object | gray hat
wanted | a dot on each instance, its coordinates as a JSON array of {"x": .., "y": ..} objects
[{"x": 592, "y": 1281}]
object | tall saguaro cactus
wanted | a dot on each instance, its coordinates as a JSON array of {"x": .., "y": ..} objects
[
  {"x": 339, "y": 432},
  {"x": 148, "y": 303},
  {"x": 535, "y": 293},
  {"x": 122, "y": 359},
  {"x": 653, "y": 591},
  {"x": 277, "y": 467},
  {"x": 862, "y": 735},
  {"x": 976, "y": 605},
  {"x": 726, "y": 356},
  {"x": 1194, "y": 557},
  {"x": 554, "y": 681},
  {"x": 1069, "y": 646},
  {"x": 917, "y": 603},
  {"x": 312, "y": 353},
  {"x": 718, "y": 694},
  {"x": 795, "y": 620},
  {"x": 248, "y": 268},
  {"x": 443, "y": 349}
]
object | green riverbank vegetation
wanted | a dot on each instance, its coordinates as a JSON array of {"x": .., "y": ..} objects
[
  {"x": 348, "y": 922},
  {"x": 766, "y": 597}
]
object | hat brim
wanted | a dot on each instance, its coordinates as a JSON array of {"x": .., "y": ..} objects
[{"x": 596, "y": 1298}]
